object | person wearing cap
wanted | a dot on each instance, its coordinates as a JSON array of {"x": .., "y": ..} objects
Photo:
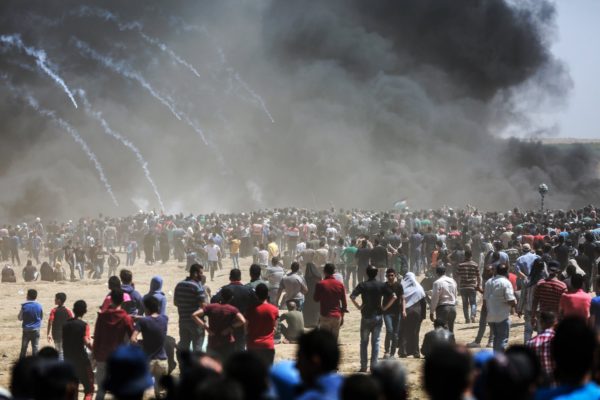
[
  {"x": 548, "y": 292},
  {"x": 128, "y": 374},
  {"x": 525, "y": 261}
]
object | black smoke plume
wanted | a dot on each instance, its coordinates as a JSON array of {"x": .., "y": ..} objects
[{"x": 371, "y": 100}]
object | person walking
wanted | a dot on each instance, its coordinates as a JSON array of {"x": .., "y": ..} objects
[
  {"x": 469, "y": 280},
  {"x": 443, "y": 299},
  {"x": 262, "y": 321},
  {"x": 393, "y": 315},
  {"x": 310, "y": 311},
  {"x": 372, "y": 293},
  {"x": 58, "y": 317},
  {"x": 415, "y": 303},
  {"x": 548, "y": 292},
  {"x": 499, "y": 300}
]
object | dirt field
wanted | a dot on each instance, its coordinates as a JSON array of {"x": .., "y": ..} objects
[{"x": 93, "y": 292}]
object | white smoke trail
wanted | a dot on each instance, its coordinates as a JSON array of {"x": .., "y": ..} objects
[
  {"x": 230, "y": 70},
  {"x": 33, "y": 103},
  {"x": 109, "y": 131},
  {"x": 127, "y": 72},
  {"x": 40, "y": 59},
  {"x": 87, "y": 11}
]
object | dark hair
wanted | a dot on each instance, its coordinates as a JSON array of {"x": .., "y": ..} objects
[
  {"x": 31, "y": 294},
  {"x": 126, "y": 276},
  {"x": 321, "y": 344},
  {"x": 295, "y": 266},
  {"x": 255, "y": 271},
  {"x": 390, "y": 271},
  {"x": 274, "y": 260},
  {"x": 61, "y": 297},
  {"x": 250, "y": 371},
  {"x": 512, "y": 375},
  {"x": 226, "y": 295},
  {"x": 502, "y": 269},
  {"x": 195, "y": 268},
  {"x": 371, "y": 272},
  {"x": 79, "y": 308},
  {"x": 468, "y": 254},
  {"x": 447, "y": 372},
  {"x": 235, "y": 275},
  {"x": 116, "y": 297},
  {"x": 573, "y": 349},
  {"x": 439, "y": 323},
  {"x": 262, "y": 291},
  {"x": 151, "y": 305},
  {"x": 440, "y": 270},
  {"x": 329, "y": 269},
  {"x": 360, "y": 387},
  {"x": 114, "y": 282},
  {"x": 576, "y": 281},
  {"x": 392, "y": 379}
]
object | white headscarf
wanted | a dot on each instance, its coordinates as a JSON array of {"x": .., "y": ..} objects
[{"x": 413, "y": 291}]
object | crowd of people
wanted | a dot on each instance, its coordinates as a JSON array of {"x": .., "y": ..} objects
[{"x": 396, "y": 268}]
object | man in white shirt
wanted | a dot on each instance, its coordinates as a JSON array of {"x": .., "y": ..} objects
[
  {"x": 213, "y": 255},
  {"x": 499, "y": 299},
  {"x": 443, "y": 299}
]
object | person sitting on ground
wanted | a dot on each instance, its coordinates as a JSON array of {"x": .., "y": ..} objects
[
  {"x": 294, "y": 323},
  {"x": 8, "y": 274},
  {"x": 439, "y": 334},
  {"x": 46, "y": 272},
  {"x": 60, "y": 274},
  {"x": 30, "y": 272}
]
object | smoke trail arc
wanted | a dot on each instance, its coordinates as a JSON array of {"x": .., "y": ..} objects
[
  {"x": 127, "y": 72},
  {"x": 33, "y": 103},
  {"x": 40, "y": 59},
  {"x": 116, "y": 135}
]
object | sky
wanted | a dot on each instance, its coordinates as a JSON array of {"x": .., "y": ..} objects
[{"x": 578, "y": 45}]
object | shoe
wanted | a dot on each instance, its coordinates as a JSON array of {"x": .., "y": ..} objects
[
  {"x": 402, "y": 355},
  {"x": 490, "y": 345},
  {"x": 362, "y": 370},
  {"x": 473, "y": 320},
  {"x": 473, "y": 345},
  {"x": 417, "y": 355},
  {"x": 386, "y": 356}
]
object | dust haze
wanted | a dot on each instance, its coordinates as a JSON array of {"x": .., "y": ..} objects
[{"x": 237, "y": 105}]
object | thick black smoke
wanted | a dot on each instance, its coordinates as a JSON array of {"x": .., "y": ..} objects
[{"x": 372, "y": 101}]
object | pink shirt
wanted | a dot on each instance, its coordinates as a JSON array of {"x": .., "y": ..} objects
[
  {"x": 575, "y": 304},
  {"x": 107, "y": 301}
]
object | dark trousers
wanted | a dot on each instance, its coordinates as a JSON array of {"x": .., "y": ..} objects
[
  {"x": 482, "y": 324},
  {"x": 267, "y": 355},
  {"x": 85, "y": 374},
  {"x": 469, "y": 303},
  {"x": 410, "y": 327},
  {"x": 446, "y": 313},
  {"x": 392, "y": 330},
  {"x": 189, "y": 334}
]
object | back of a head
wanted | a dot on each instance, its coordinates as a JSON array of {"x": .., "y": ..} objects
[
  {"x": 54, "y": 380},
  {"x": 32, "y": 294},
  {"x": 441, "y": 270},
  {"x": 151, "y": 305},
  {"x": 502, "y": 269},
  {"x": 126, "y": 276},
  {"x": 262, "y": 292},
  {"x": 329, "y": 269},
  {"x": 391, "y": 378},
  {"x": 250, "y": 371},
  {"x": 360, "y": 387},
  {"x": 274, "y": 261},
  {"x": 576, "y": 281},
  {"x": 371, "y": 272},
  {"x": 195, "y": 269},
  {"x": 254, "y": 271},
  {"x": 295, "y": 267},
  {"x": 116, "y": 297},
  {"x": 447, "y": 372},
  {"x": 79, "y": 308},
  {"x": 22, "y": 382},
  {"x": 512, "y": 375},
  {"x": 573, "y": 349},
  {"x": 61, "y": 297},
  {"x": 114, "y": 282},
  {"x": 235, "y": 275},
  {"x": 322, "y": 344}
]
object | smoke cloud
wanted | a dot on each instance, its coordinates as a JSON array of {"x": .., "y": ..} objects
[{"x": 238, "y": 105}]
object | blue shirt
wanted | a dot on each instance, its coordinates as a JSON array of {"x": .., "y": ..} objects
[
  {"x": 31, "y": 314},
  {"x": 525, "y": 262},
  {"x": 328, "y": 387},
  {"x": 588, "y": 391},
  {"x": 595, "y": 310}
]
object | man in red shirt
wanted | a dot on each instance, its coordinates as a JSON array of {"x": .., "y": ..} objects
[
  {"x": 548, "y": 292},
  {"x": 262, "y": 321},
  {"x": 576, "y": 303},
  {"x": 331, "y": 295},
  {"x": 223, "y": 318},
  {"x": 112, "y": 327}
]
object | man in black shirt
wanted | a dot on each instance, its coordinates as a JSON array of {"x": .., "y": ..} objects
[
  {"x": 393, "y": 315},
  {"x": 75, "y": 338},
  {"x": 379, "y": 259},
  {"x": 372, "y": 293},
  {"x": 363, "y": 257}
]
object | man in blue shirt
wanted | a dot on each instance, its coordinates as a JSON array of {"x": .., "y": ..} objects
[
  {"x": 31, "y": 314},
  {"x": 525, "y": 262}
]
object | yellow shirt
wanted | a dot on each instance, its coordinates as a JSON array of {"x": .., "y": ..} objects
[
  {"x": 234, "y": 246},
  {"x": 273, "y": 249}
]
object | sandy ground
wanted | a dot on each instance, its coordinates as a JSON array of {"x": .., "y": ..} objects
[{"x": 93, "y": 292}]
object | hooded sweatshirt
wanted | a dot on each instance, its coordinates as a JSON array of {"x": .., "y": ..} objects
[
  {"x": 112, "y": 326},
  {"x": 156, "y": 291},
  {"x": 136, "y": 306}
]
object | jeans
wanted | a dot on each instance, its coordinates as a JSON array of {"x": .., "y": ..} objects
[
  {"x": 370, "y": 327},
  {"x": 482, "y": 324},
  {"x": 33, "y": 337},
  {"x": 98, "y": 269},
  {"x": 235, "y": 259},
  {"x": 469, "y": 300},
  {"x": 415, "y": 262},
  {"x": 79, "y": 266},
  {"x": 189, "y": 334},
  {"x": 392, "y": 331},
  {"x": 130, "y": 259},
  {"x": 500, "y": 330},
  {"x": 528, "y": 332},
  {"x": 446, "y": 313},
  {"x": 350, "y": 272}
]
